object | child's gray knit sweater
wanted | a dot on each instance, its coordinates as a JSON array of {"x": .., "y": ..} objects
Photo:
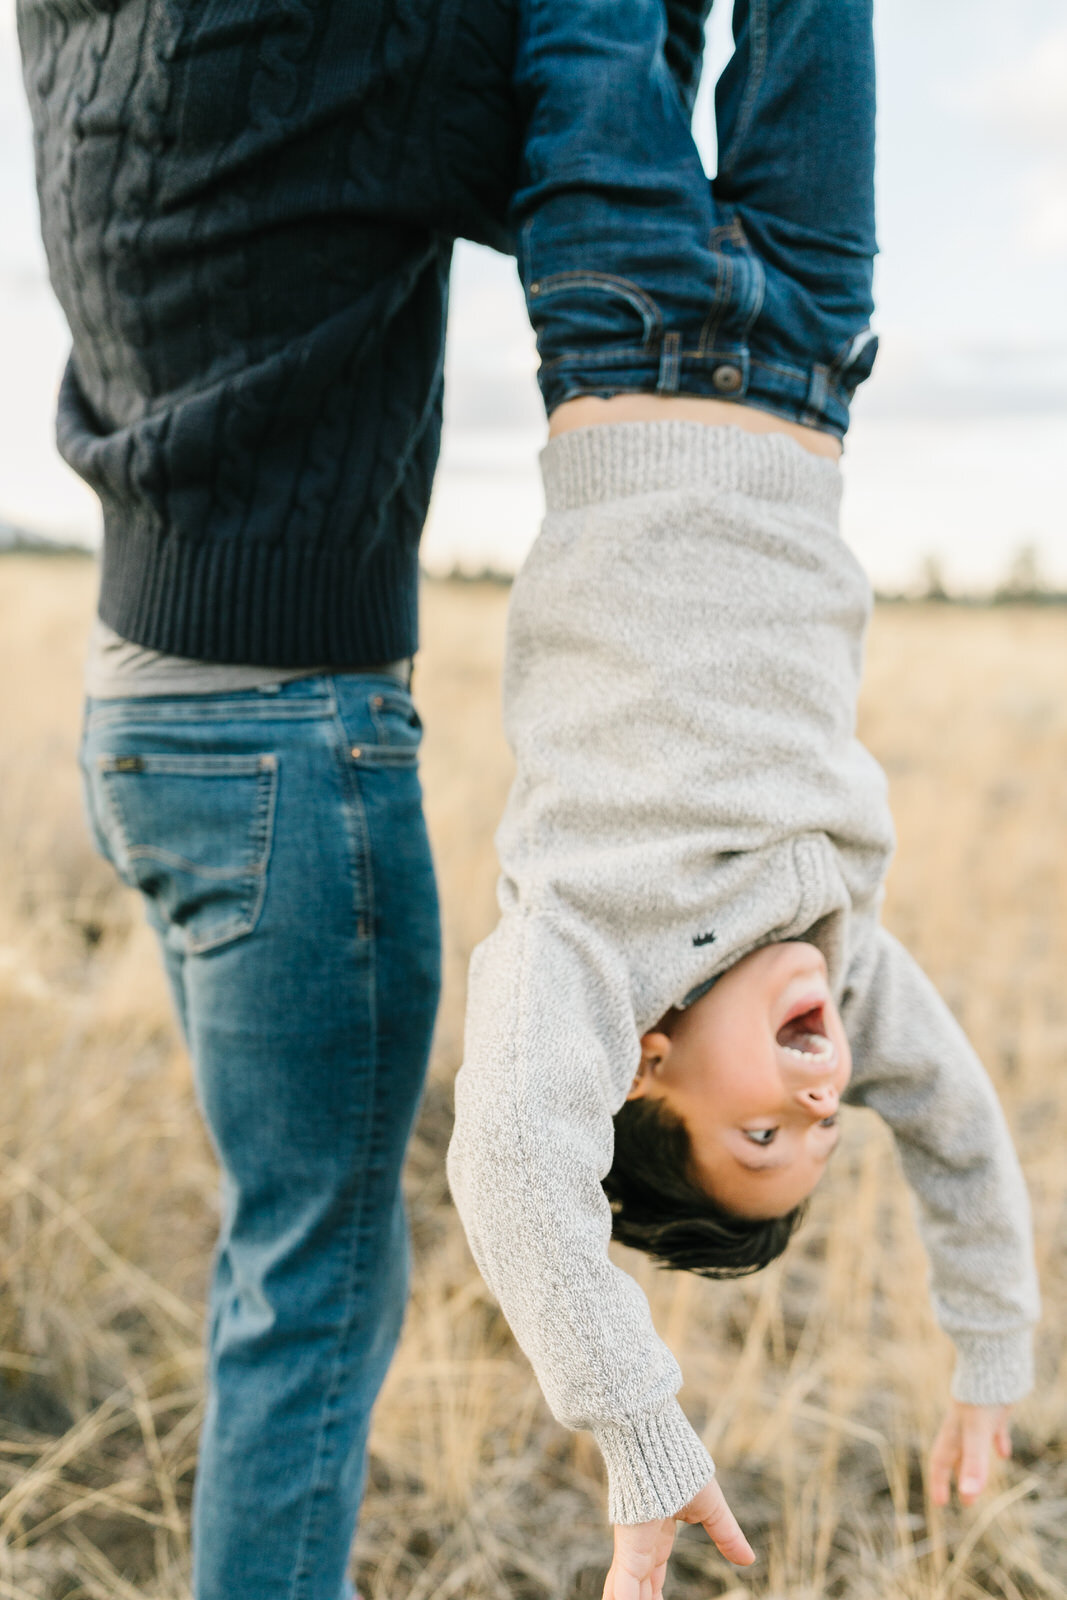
[{"x": 683, "y": 661}]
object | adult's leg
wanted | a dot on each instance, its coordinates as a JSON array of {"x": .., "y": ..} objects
[{"x": 278, "y": 839}]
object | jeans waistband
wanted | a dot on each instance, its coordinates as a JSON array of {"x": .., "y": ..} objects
[{"x": 316, "y": 695}]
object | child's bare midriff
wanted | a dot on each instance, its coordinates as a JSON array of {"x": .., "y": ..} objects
[{"x": 589, "y": 409}]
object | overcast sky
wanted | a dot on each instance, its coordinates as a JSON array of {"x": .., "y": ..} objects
[
  {"x": 971, "y": 280},
  {"x": 972, "y": 204}
]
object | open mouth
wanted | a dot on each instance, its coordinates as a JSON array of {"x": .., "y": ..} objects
[{"x": 805, "y": 1035}]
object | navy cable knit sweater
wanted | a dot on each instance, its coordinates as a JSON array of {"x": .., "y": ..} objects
[{"x": 248, "y": 208}]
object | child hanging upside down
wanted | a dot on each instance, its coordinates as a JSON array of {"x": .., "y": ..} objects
[{"x": 689, "y": 977}]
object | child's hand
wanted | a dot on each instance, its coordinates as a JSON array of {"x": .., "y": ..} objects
[
  {"x": 962, "y": 1447},
  {"x": 642, "y": 1548}
]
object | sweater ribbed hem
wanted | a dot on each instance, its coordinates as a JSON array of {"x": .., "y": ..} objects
[
  {"x": 609, "y": 461},
  {"x": 262, "y": 604},
  {"x": 656, "y": 1464},
  {"x": 993, "y": 1369}
]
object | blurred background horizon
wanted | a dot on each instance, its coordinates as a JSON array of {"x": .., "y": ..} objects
[{"x": 956, "y": 463}]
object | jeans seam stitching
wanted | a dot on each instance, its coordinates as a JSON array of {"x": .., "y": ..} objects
[
  {"x": 691, "y": 355},
  {"x": 723, "y": 271},
  {"x": 317, "y": 1486},
  {"x": 758, "y": 33},
  {"x": 364, "y": 903},
  {"x": 114, "y": 812}
]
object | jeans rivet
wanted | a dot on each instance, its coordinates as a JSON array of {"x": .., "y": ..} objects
[
  {"x": 727, "y": 379},
  {"x": 535, "y": 288},
  {"x": 377, "y": 702},
  {"x": 356, "y": 752}
]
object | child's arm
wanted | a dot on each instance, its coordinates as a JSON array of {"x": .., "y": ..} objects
[
  {"x": 550, "y": 1052},
  {"x": 914, "y": 1066}
]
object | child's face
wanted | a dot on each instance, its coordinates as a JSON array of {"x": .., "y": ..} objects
[{"x": 755, "y": 1069}]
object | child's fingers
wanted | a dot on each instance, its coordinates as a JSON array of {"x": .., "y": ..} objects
[
  {"x": 977, "y": 1438},
  {"x": 725, "y": 1531},
  {"x": 944, "y": 1456},
  {"x": 963, "y": 1446},
  {"x": 640, "y": 1564},
  {"x": 623, "y": 1585}
]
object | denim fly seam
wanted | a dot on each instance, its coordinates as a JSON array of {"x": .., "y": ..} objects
[{"x": 642, "y": 275}]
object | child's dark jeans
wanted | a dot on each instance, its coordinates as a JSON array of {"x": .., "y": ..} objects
[{"x": 642, "y": 275}]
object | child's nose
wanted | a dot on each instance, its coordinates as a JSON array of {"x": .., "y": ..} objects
[{"x": 821, "y": 1101}]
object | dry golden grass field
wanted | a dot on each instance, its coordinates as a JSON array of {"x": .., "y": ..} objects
[{"x": 818, "y": 1385}]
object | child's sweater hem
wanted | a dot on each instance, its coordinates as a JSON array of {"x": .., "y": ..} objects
[
  {"x": 993, "y": 1369},
  {"x": 656, "y": 1464}
]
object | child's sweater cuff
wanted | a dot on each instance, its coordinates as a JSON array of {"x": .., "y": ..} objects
[
  {"x": 993, "y": 1369},
  {"x": 655, "y": 1464}
]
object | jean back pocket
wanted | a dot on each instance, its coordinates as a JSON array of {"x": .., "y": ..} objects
[{"x": 193, "y": 834}]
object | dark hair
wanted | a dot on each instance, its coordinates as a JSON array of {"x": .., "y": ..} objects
[{"x": 656, "y": 1206}]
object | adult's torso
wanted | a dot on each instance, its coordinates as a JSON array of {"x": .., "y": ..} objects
[{"x": 248, "y": 212}]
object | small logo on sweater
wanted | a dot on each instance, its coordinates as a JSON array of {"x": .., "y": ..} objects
[{"x": 703, "y": 938}]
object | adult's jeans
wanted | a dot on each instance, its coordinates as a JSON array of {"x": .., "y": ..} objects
[
  {"x": 639, "y": 273},
  {"x": 278, "y": 840}
]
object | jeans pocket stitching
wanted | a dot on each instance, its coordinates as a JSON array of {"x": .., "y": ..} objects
[
  {"x": 745, "y": 307},
  {"x": 384, "y": 755},
  {"x": 112, "y": 825},
  {"x": 619, "y": 355},
  {"x": 244, "y": 923},
  {"x": 760, "y": 364},
  {"x": 91, "y": 803},
  {"x": 252, "y": 873},
  {"x": 207, "y": 766},
  {"x": 606, "y": 283},
  {"x": 168, "y": 858},
  {"x": 388, "y": 704}
]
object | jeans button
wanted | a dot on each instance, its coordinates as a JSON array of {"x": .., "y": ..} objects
[{"x": 727, "y": 379}]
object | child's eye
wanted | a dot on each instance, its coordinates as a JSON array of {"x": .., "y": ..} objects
[{"x": 760, "y": 1135}]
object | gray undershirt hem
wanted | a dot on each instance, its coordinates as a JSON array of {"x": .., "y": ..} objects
[{"x": 116, "y": 668}]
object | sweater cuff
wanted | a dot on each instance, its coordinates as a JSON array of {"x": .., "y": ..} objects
[
  {"x": 655, "y": 1464},
  {"x": 993, "y": 1369}
]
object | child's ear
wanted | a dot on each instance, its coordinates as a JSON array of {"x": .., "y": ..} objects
[{"x": 655, "y": 1048}]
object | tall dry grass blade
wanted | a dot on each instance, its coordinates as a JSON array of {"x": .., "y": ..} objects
[
  {"x": 94, "y": 1499},
  {"x": 146, "y": 1421},
  {"x": 144, "y": 1290},
  {"x": 14, "y": 1591},
  {"x": 89, "y": 1431},
  {"x": 111, "y": 1584},
  {"x": 984, "y": 1520}
]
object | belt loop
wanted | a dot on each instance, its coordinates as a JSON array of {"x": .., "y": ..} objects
[
  {"x": 670, "y": 364},
  {"x": 818, "y": 393}
]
